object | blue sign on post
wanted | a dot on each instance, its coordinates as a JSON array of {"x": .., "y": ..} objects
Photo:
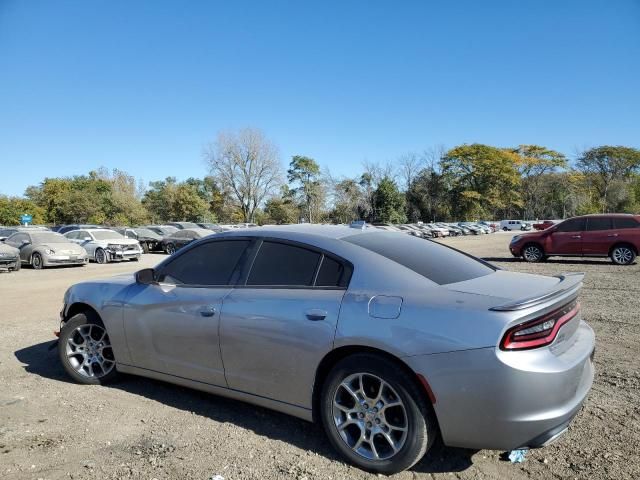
[{"x": 26, "y": 219}]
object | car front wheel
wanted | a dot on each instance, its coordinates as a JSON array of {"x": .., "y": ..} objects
[
  {"x": 171, "y": 248},
  {"x": 623, "y": 255},
  {"x": 375, "y": 415},
  {"x": 101, "y": 256},
  {"x": 532, "y": 253},
  {"x": 36, "y": 261},
  {"x": 85, "y": 350}
]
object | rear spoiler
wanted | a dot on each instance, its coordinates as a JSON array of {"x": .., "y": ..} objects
[{"x": 569, "y": 284}]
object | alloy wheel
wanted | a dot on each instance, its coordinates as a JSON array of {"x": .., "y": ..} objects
[
  {"x": 36, "y": 261},
  {"x": 89, "y": 351},
  {"x": 370, "y": 417},
  {"x": 623, "y": 255},
  {"x": 101, "y": 256},
  {"x": 532, "y": 254}
]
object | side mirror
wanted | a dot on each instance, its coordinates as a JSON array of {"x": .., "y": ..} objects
[
  {"x": 87, "y": 239},
  {"x": 146, "y": 276},
  {"x": 24, "y": 243}
]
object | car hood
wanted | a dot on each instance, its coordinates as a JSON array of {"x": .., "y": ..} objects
[
  {"x": 63, "y": 247},
  {"x": 8, "y": 249},
  {"x": 504, "y": 286}
]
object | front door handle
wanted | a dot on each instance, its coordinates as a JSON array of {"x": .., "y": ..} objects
[
  {"x": 576, "y": 236},
  {"x": 208, "y": 312},
  {"x": 316, "y": 314},
  {"x": 612, "y": 235}
]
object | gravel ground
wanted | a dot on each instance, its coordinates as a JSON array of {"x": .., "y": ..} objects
[{"x": 53, "y": 429}]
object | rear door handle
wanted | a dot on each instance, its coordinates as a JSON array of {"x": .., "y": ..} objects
[
  {"x": 612, "y": 235},
  {"x": 208, "y": 311},
  {"x": 576, "y": 236},
  {"x": 316, "y": 314}
]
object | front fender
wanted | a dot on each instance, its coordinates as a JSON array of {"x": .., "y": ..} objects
[{"x": 107, "y": 300}]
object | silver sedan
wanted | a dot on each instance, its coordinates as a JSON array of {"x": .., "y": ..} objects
[{"x": 386, "y": 339}]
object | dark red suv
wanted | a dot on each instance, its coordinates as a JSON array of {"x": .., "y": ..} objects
[{"x": 610, "y": 235}]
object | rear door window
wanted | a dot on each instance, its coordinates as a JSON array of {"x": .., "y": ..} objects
[
  {"x": 332, "y": 273},
  {"x": 625, "y": 222},
  {"x": 598, "y": 223},
  {"x": 282, "y": 264},
  {"x": 437, "y": 262}
]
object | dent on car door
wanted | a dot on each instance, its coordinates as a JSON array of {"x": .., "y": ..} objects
[
  {"x": 172, "y": 326},
  {"x": 280, "y": 323}
]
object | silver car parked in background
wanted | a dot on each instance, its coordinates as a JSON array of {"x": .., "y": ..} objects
[
  {"x": 41, "y": 248},
  {"x": 386, "y": 339},
  {"x": 104, "y": 245}
]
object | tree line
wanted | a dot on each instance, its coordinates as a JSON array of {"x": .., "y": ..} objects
[{"x": 247, "y": 183}]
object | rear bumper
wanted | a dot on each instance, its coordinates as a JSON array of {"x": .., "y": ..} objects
[{"x": 487, "y": 398}]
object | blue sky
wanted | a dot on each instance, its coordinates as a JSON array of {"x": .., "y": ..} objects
[{"x": 143, "y": 86}]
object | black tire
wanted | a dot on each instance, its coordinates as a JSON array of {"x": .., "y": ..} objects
[
  {"x": 36, "y": 261},
  {"x": 101, "y": 256},
  {"x": 170, "y": 249},
  {"x": 145, "y": 247},
  {"x": 18, "y": 265},
  {"x": 533, "y": 253},
  {"x": 421, "y": 427},
  {"x": 135, "y": 259},
  {"x": 623, "y": 254},
  {"x": 71, "y": 357}
]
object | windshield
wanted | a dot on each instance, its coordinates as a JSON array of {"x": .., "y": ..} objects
[
  {"x": 106, "y": 235},
  {"x": 438, "y": 263},
  {"x": 48, "y": 237}
]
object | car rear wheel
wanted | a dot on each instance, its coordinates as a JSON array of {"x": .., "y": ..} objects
[
  {"x": 532, "y": 253},
  {"x": 375, "y": 415},
  {"x": 623, "y": 255},
  {"x": 18, "y": 265},
  {"x": 171, "y": 248},
  {"x": 36, "y": 261},
  {"x": 101, "y": 256},
  {"x": 85, "y": 350}
]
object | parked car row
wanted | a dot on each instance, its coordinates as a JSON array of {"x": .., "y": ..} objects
[
  {"x": 77, "y": 244},
  {"x": 438, "y": 230}
]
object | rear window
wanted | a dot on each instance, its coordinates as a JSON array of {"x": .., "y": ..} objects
[
  {"x": 625, "y": 222},
  {"x": 438, "y": 263}
]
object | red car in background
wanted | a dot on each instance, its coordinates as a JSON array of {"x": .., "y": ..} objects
[
  {"x": 609, "y": 235},
  {"x": 543, "y": 224}
]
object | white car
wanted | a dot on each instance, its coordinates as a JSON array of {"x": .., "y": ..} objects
[{"x": 104, "y": 245}]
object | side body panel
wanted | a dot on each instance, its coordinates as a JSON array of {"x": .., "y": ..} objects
[
  {"x": 270, "y": 347},
  {"x": 174, "y": 330}
]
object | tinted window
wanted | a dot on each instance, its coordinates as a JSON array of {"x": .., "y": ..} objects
[
  {"x": 598, "y": 223},
  {"x": 432, "y": 260},
  {"x": 332, "y": 273},
  {"x": 283, "y": 264},
  {"x": 211, "y": 263},
  {"x": 572, "y": 225},
  {"x": 625, "y": 222}
]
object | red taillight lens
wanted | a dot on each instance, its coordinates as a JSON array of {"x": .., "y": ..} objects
[{"x": 539, "y": 332}]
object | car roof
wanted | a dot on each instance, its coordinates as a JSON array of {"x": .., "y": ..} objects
[{"x": 299, "y": 230}]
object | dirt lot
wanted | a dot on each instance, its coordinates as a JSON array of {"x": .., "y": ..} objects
[{"x": 53, "y": 429}]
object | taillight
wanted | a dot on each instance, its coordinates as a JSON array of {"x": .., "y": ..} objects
[{"x": 539, "y": 332}]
